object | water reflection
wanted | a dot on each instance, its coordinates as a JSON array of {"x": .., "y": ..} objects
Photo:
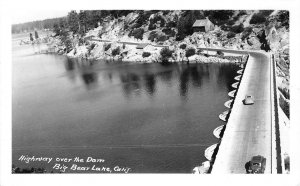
[
  {"x": 88, "y": 74},
  {"x": 194, "y": 75},
  {"x": 137, "y": 79},
  {"x": 69, "y": 67},
  {"x": 226, "y": 73},
  {"x": 198, "y": 73},
  {"x": 69, "y": 64},
  {"x": 166, "y": 76},
  {"x": 130, "y": 83},
  {"x": 86, "y": 71},
  {"x": 150, "y": 83},
  {"x": 89, "y": 78},
  {"x": 183, "y": 84},
  {"x": 109, "y": 76}
]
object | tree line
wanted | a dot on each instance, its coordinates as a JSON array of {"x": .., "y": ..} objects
[
  {"x": 76, "y": 22},
  {"x": 34, "y": 25},
  {"x": 84, "y": 20}
]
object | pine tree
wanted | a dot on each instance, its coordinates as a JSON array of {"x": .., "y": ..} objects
[
  {"x": 96, "y": 16},
  {"x": 36, "y": 35},
  {"x": 73, "y": 21},
  {"x": 31, "y": 37},
  {"x": 83, "y": 20},
  {"x": 56, "y": 29}
]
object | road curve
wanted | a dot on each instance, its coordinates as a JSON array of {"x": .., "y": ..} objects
[{"x": 249, "y": 128}]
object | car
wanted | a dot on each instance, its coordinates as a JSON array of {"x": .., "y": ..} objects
[
  {"x": 257, "y": 165},
  {"x": 249, "y": 100}
]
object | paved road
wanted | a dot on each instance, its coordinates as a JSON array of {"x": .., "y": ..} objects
[
  {"x": 248, "y": 131},
  {"x": 127, "y": 43}
]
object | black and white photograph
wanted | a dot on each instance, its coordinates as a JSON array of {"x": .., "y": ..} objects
[{"x": 150, "y": 91}]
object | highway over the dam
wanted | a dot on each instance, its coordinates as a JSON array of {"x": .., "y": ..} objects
[{"x": 250, "y": 129}]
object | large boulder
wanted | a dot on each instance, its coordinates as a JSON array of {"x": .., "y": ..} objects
[
  {"x": 254, "y": 42},
  {"x": 131, "y": 17}
]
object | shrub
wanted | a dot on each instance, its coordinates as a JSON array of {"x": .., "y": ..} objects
[
  {"x": 159, "y": 38},
  {"x": 126, "y": 26},
  {"x": 285, "y": 92},
  {"x": 155, "y": 20},
  {"x": 91, "y": 47},
  {"x": 257, "y": 18},
  {"x": 230, "y": 35},
  {"x": 225, "y": 28},
  {"x": 146, "y": 54},
  {"x": 222, "y": 14},
  {"x": 230, "y": 22},
  {"x": 151, "y": 27},
  {"x": 137, "y": 33},
  {"x": 260, "y": 17},
  {"x": 107, "y": 46},
  {"x": 68, "y": 44},
  {"x": 179, "y": 37},
  {"x": 115, "y": 51},
  {"x": 162, "y": 38},
  {"x": 247, "y": 31},
  {"x": 182, "y": 46},
  {"x": 199, "y": 51},
  {"x": 220, "y": 53},
  {"x": 171, "y": 24},
  {"x": 81, "y": 42},
  {"x": 101, "y": 32},
  {"x": 165, "y": 12},
  {"x": 285, "y": 106},
  {"x": 219, "y": 17},
  {"x": 190, "y": 52},
  {"x": 284, "y": 17},
  {"x": 169, "y": 31},
  {"x": 142, "y": 18},
  {"x": 237, "y": 29},
  {"x": 265, "y": 13},
  {"x": 165, "y": 54},
  {"x": 135, "y": 26},
  {"x": 241, "y": 13},
  {"x": 152, "y": 36}
]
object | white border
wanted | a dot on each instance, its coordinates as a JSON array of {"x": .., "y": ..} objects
[{"x": 9, "y": 8}]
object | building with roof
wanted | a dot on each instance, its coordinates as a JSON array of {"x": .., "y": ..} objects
[{"x": 203, "y": 25}]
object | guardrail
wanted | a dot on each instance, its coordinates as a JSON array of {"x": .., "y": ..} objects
[
  {"x": 275, "y": 126},
  {"x": 127, "y": 42}
]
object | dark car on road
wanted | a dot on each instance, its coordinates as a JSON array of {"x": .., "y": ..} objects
[
  {"x": 257, "y": 165},
  {"x": 249, "y": 100}
]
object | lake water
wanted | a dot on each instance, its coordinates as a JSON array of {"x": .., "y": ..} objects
[{"x": 151, "y": 118}]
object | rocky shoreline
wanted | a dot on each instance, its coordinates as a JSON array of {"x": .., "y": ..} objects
[{"x": 119, "y": 51}]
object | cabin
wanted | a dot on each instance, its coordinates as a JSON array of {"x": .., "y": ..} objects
[{"x": 203, "y": 25}]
